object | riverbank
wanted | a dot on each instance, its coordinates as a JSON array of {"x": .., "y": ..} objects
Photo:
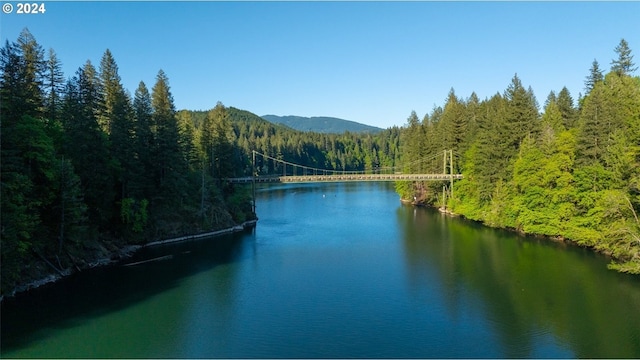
[
  {"x": 617, "y": 263},
  {"x": 241, "y": 227},
  {"x": 118, "y": 255}
]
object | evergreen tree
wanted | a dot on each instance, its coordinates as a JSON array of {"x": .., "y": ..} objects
[
  {"x": 552, "y": 117},
  {"x": 142, "y": 186},
  {"x": 551, "y": 98},
  {"x": 220, "y": 149},
  {"x": 552, "y": 125},
  {"x": 472, "y": 114},
  {"x": 188, "y": 140},
  {"x": 110, "y": 91},
  {"x": 33, "y": 70},
  {"x": 68, "y": 210},
  {"x": 26, "y": 154},
  {"x": 432, "y": 139},
  {"x": 115, "y": 117},
  {"x": 87, "y": 146},
  {"x": 413, "y": 144},
  {"x": 167, "y": 159},
  {"x": 612, "y": 105},
  {"x": 595, "y": 76},
  {"x": 567, "y": 108},
  {"x": 454, "y": 123},
  {"x": 54, "y": 85},
  {"x": 623, "y": 65},
  {"x": 521, "y": 115},
  {"x": 592, "y": 126}
]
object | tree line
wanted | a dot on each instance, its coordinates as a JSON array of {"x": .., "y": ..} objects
[
  {"x": 342, "y": 152},
  {"x": 571, "y": 171},
  {"x": 88, "y": 168}
]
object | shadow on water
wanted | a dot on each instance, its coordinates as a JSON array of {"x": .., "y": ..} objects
[
  {"x": 531, "y": 293},
  {"x": 28, "y": 317}
]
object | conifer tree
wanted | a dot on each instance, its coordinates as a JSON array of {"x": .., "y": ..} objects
[
  {"x": 54, "y": 86},
  {"x": 116, "y": 119},
  {"x": 624, "y": 64},
  {"x": 521, "y": 115},
  {"x": 222, "y": 142},
  {"x": 567, "y": 109},
  {"x": 454, "y": 123},
  {"x": 87, "y": 146},
  {"x": 413, "y": 143},
  {"x": 592, "y": 127},
  {"x": 188, "y": 136},
  {"x": 552, "y": 117},
  {"x": 595, "y": 76},
  {"x": 472, "y": 114},
  {"x": 27, "y": 155},
  {"x": 68, "y": 210},
  {"x": 551, "y": 98},
  {"x": 110, "y": 90},
  {"x": 145, "y": 145},
  {"x": 33, "y": 70},
  {"x": 168, "y": 161}
]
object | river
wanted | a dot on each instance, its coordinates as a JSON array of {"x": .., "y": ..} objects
[{"x": 338, "y": 270}]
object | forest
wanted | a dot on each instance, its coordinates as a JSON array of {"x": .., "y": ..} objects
[
  {"x": 87, "y": 168},
  {"x": 570, "y": 172}
]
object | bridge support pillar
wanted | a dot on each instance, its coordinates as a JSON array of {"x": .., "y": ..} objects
[
  {"x": 451, "y": 173},
  {"x": 447, "y": 165},
  {"x": 253, "y": 182}
]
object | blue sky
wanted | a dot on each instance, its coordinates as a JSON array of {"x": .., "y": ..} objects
[{"x": 371, "y": 62}]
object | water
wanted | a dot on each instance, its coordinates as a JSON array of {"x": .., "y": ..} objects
[{"x": 338, "y": 270}]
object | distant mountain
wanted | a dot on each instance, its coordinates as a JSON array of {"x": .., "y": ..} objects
[{"x": 321, "y": 124}]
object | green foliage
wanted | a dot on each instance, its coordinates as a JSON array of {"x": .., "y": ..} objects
[
  {"x": 623, "y": 65},
  {"x": 134, "y": 213},
  {"x": 521, "y": 115},
  {"x": 85, "y": 167},
  {"x": 239, "y": 200},
  {"x": 405, "y": 190},
  {"x": 570, "y": 173},
  {"x": 87, "y": 146},
  {"x": 594, "y": 77},
  {"x": 322, "y": 124},
  {"x": 544, "y": 185}
]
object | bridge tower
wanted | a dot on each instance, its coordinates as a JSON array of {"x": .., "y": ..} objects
[
  {"x": 253, "y": 181},
  {"x": 447, "y": 165}
]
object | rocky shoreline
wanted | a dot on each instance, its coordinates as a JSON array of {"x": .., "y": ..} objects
[{"x": 119, "y": 255}]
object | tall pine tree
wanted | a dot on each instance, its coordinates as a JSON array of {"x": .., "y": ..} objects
[
  {"x": 595, "y": 76},
  {"x": 167, "y": 159},
  {"x": 624, "y": 64}
]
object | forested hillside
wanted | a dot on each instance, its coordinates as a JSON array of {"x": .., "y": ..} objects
[
  {"x": 346, "y": 151},
  {"x": 571, "y": 171},
  {"x": 321, "y": 124},
  {"x": 88, "y": 169}
]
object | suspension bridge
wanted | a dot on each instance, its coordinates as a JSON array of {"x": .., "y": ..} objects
[{"x": 296, "y": 173}]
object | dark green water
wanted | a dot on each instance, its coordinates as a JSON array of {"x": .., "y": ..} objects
[{"x": 338, "y": 270}]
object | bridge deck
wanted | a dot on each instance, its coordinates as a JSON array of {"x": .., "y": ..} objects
[{"x": 345, "y": 178}]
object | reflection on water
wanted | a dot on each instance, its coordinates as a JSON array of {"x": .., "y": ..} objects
[
  {"x": 338, "y": 270},
  {"x": 534, "y": 293}
]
